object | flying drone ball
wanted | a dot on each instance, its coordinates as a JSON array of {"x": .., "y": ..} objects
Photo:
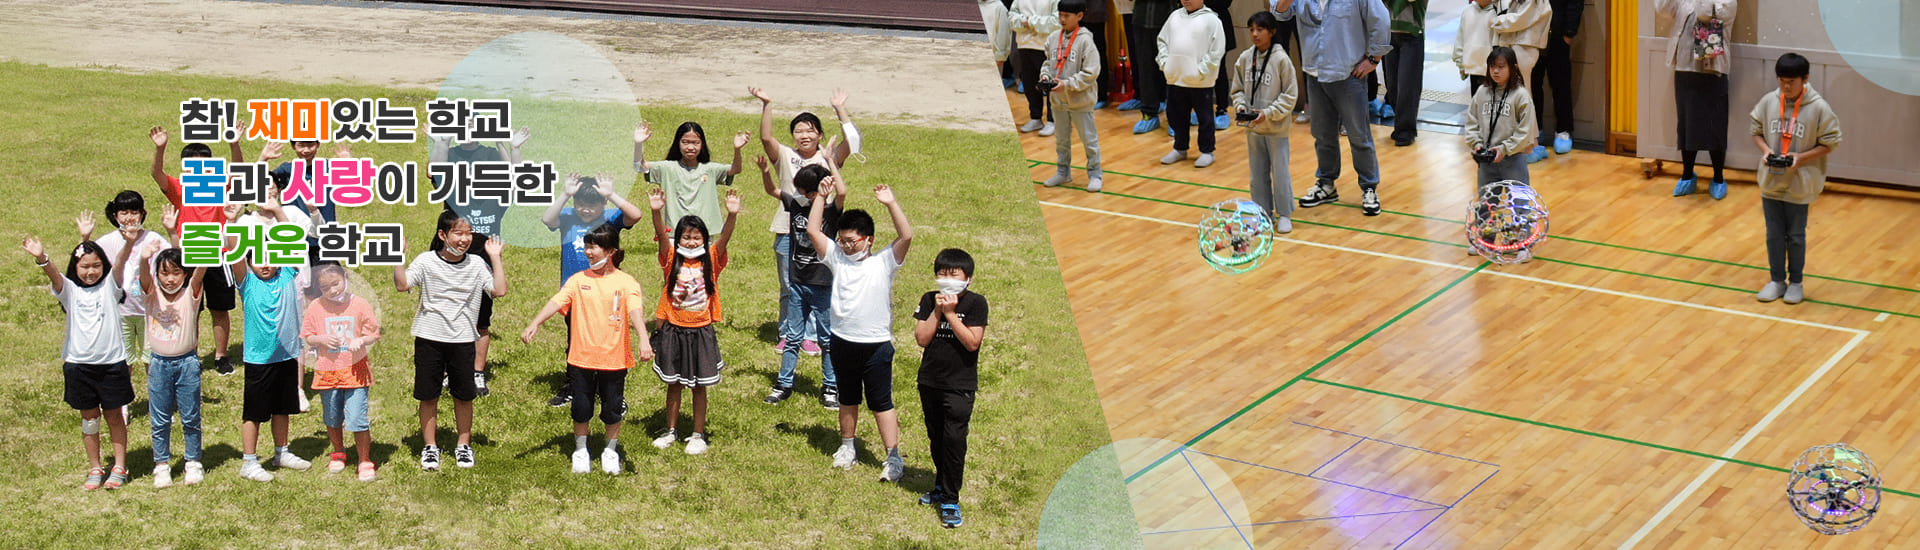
[
  {"x": 1236, "y": 236},
  {"x": 1506, "y": 222},
  {"x": 1834, "y": 489}
]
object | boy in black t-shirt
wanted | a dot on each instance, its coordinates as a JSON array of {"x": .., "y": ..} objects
[
  {"x": 810, "y": 281},
  {"x": 952, "y": 323}
]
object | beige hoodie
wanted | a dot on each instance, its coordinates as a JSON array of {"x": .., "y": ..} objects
[
  {"x": 1032, "y": 21},
  {"x": 1272, "y": 85},
  {"x": 1817, "y": 125},
  {"x": 1514, "y": 131},
  {"x": 1078, "y": 76},
  {"x": 1475, "y": 39},
  {"x": 1525, "y": 23}
]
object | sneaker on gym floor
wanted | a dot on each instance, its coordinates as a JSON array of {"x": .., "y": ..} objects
[
  {"x": 950, "y": 515},
  {"x": 1322, "y": 193},
  {"x": 1205, "y": 160},
  {"x": 843, "y": 458},
  {"x": 1795, "y": 293},
  {"x": 1301, "y": 117},
  {"x": 463, "y": 456},
  {"x": 665, "y": 440},
  {"x": 830, "y": 397},
  {"x": 430, "y": 458},
  {"x": 1772, "y": 291},
  {"x": 1058, "y": 179},
  {"x": 253, "y": 471},
  {"x": 810, "y": 347},
  {"x": 1033, "y": 125},
  {"x": 1562, "y": 143},
  {"x": 892, "y": 469},
  {"x": 559, "y": 400},
  {"x": 195, "y": 473},
  {"x": 480, "y": 384},
  {"x": 581, "y": 462},
  {"x": 1093, "y": 184},
  {"x": 289, "y": 460},
  {"x": 1173, "y": 156},
  {"x": 1146, "y": 124},
  {"x": 777, "y": 395},
  {"x": 1283, "y": 224},
  {"x": 1370, "y": 201},
  {"x": 162, "y": 476},
  {"x": 223, "y": 365},
  {"x": 697, "y": 444},
  {"x": 610, "y": 461},
  {"x": 1046, "y": 130}
]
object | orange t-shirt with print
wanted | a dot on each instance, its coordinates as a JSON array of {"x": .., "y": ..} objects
[
  {"x": 688, "y": 302},
  {"x": 339, "y": 368},
  {"x": 600, "y": 307}
]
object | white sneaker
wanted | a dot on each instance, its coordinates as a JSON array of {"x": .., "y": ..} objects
[
  {"x": 664, "y": 441},
  {"x": 581, "y": 462},
  {"x": 195, "y": 473},
  {"x": 253, "y": 471},
  {"x": 430, "y": 458},
  {"x": 696, "y": 444},
  {"x": 1205, "y": 160},
  {"x": 1772, "y": 291},
  {"x": 893, "y": 469},
  {"x": 843, "y": 458},
  {"x": 1058, "y": 179},
  {"x": 162, "y": 476},
  {"x": 610, "y": 461},
  {"x": 1283, "y": 224},
  {"x": 1093, "y": 184},
  {"x": 1173, "y": 157},
  {"x": 288, "y": 460},
  {"x": 1046, "y": 130},
  {"x": 1032, "y": 125}
]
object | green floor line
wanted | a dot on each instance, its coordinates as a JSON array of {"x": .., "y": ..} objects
[
  {"x": 1541, "y": 258},
  {"x": 1037, "y": 163},
  {"x": 1304, "y": 374},
  {"x": 1572, "y": 430}
]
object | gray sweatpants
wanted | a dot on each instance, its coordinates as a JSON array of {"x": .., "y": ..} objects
[
  {"x": 1065, "y": 122},
  {"x": 1514, "y": 167},
  {"x": 1786, "y": 239},
  {"x": 1272, "y": 187}
]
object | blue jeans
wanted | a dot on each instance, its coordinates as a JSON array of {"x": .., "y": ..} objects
[
  {"x": 807, "y": 308},
  {"x": 1333, "y": 106},
  {"x": 782, "y": 255},
  {"x": 173, "y": 385}
]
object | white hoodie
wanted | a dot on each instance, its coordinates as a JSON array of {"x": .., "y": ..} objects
[
  {"x": 999, "y": 28},
  {"x": 1475, "y": 39},
  {"x": 1032, "y": 21},
  {"x": 1191, "y": 44}
]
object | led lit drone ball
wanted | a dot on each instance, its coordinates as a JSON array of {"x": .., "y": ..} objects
[
  {"x": 1834, "y": 489},
  {"x": 1235, "y": 236},
  {"x": 1506, "y": 222}
]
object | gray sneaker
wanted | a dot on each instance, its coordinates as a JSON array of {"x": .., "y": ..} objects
[
  {"x": 1093, "y": 184},
  {"x": 1173, "y": 157},
  {"x": 1205, "y": 160},
  {"x": 1795, "y": 294},
  {"x": 1058, "y": 179},
  {"x": 1283, "y": 224},
  {"x": 893, "y": 469},
  {"x": 1772, "y": 291}
]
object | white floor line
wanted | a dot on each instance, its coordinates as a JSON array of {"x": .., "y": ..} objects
[
  {"x": 1881, "y": 317},
  {"x": 1458, "y": 267},
  {"x": 1742, "y": 443},
  {"x": 1674, "y": 503}
]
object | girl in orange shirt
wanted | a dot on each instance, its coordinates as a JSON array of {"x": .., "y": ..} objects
[{"x": 689, "y": 351}]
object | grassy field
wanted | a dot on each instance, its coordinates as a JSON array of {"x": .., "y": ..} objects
[{"x": 76, "y": 137}]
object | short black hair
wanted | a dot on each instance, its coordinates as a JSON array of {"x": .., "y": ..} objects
[
  {"x": 448, "y": 219},
  {"x": 196, "y": 150},
  {"x": 1792, "y": 65},
  {"x": 1264, "y": 19},
  {"x": 806, "y": 117},
  {"x": 808, "y": 179},
  {"x": 857, "y": 220},
  {"x": 587, "y": 193},
  {"x": 126, "y": 200},
  {"x": 607, "y": 237},
  {"x": 1073, "y": 6},
  {"x": 954, "y": 258},
  {"x": 83, "y": 249}
]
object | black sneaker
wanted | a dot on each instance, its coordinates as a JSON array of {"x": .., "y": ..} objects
[
  {"x": 933, "y": 497},
  {"x": 1321, "y": 193},
  {"x": 559, "y": 400},
  {"x": 480, "y": 384},
  {"x": 830, "y": 397},
  {"x": 777, "y": 395},
  {"x": 1370, "y": 202},
  {"x": 950, "y": 515},
  {"x": 223, "y": 365}
]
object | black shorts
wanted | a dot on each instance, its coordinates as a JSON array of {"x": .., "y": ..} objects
[
  {"x": 98, "y": 386},
  {"x": 436, "y": 361},
  {"x": 860, "y": 366},
  {"x": 272, "y": 389},
  {"x": 217, "y": 291},
  {"x": 610, "y": 386},
  {"x": 486, "y": 312}
]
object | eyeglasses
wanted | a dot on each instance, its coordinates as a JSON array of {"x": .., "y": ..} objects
[{"x": 848, "y": 242}]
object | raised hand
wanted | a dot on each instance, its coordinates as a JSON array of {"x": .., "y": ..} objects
[
  {"x": 495, "y": 247},
  {"x": 742, "y": 138},
  {"x": 520, "y": 137},
  {"x": 272, "y": 150},
  {"x": 832, "y": 141},
  {"x": 604, "y": 184},
  {"x": 657, "y": 199},
  {"x": 884, "y": 194},
  {"x": 761, "y": 161},
  {"x": 733, "y": 201},
  {"x": 839, "y": 99},
  {"x": 84, "y": 222},
  {"x": 760, "y": 93},
  {"x": 32, "y": 246},
  {"x": 159, "y": 137},
  {"x": 342, "y": 150},
  {"x": 169, "y": 216},
  {"x": 147, "y": 252},
  {"x": 643, "y": 132},
  {"x": 573, "y": 183}
]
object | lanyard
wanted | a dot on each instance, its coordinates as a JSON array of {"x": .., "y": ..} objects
[
  {"x": 1786, "y": 134},
  {"x": 1257, "y": 70},
  {"x": 1499, "y": 104},
  {"x": 1066, "y": 49}
]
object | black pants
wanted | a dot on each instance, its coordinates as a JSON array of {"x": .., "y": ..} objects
[
  {"x": 609, "y": 387},
  {"x": 1474, "y": 82},
  {"x": 1029, "y": 67},
  {"x": 1786, "y": 239},
  {"x": 1105, "y": 85},
  {"x": 948, "y": 413},
  {"x": 1555, "y": 69},
  {"x": 1180, "y": 102},
  {"x": 1223, "y": 86},
  {"x": 1404, "y": 82},
  {"x": 1148, "y": 82}
]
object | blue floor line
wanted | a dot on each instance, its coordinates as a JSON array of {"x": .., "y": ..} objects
[{"x": 1216, "y": 501}]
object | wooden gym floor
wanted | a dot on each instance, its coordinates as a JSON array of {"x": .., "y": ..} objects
[{"x": 1373, "y": 386}]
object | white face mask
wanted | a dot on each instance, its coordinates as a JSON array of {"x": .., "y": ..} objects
[
  {"x": 462, "y": 251},
  {"x": 601, "y": 263},
  {"x": 691, "y": 253},
  {"x": 951, "y": 286},
  {"x": 341, "y": 298},
  {"x": 175, "y": 289},
  {"x": 860, "y": 256}
]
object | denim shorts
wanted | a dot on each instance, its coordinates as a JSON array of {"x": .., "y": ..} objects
[{"x": 346, "y": 406}]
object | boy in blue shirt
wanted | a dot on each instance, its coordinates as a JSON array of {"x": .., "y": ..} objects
[{"x": 590, "y": 199}]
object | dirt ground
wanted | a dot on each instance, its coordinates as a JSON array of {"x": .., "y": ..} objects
[{"x": 925, "y": 81}]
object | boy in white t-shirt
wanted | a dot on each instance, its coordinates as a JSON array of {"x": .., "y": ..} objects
[{"x": 862, "y": 320}]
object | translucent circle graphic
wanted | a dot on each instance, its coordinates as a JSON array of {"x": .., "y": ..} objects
[
  {"x": 320, "y": 295},
  {"x": 1178, "y": 498},
  {"x": 1880, "y": 39},
  {"x": 577, "y": 106}
]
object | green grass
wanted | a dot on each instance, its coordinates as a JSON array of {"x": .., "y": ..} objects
[{"x": 75, "y": 137}]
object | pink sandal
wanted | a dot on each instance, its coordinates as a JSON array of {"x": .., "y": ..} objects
[
  {"x": 116, "y": 479},
  {"x": 366, "y": 471},
  {"x": 95, "y": 477}
]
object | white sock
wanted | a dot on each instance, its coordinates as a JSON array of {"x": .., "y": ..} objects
[
  {"x": 250, "y": 459},
  {"x": 580, "y": 442},
  {"x": 611, "y": 444},
  {"x": 846, "y": 442},
  {"x": 279, "y": 451}
]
